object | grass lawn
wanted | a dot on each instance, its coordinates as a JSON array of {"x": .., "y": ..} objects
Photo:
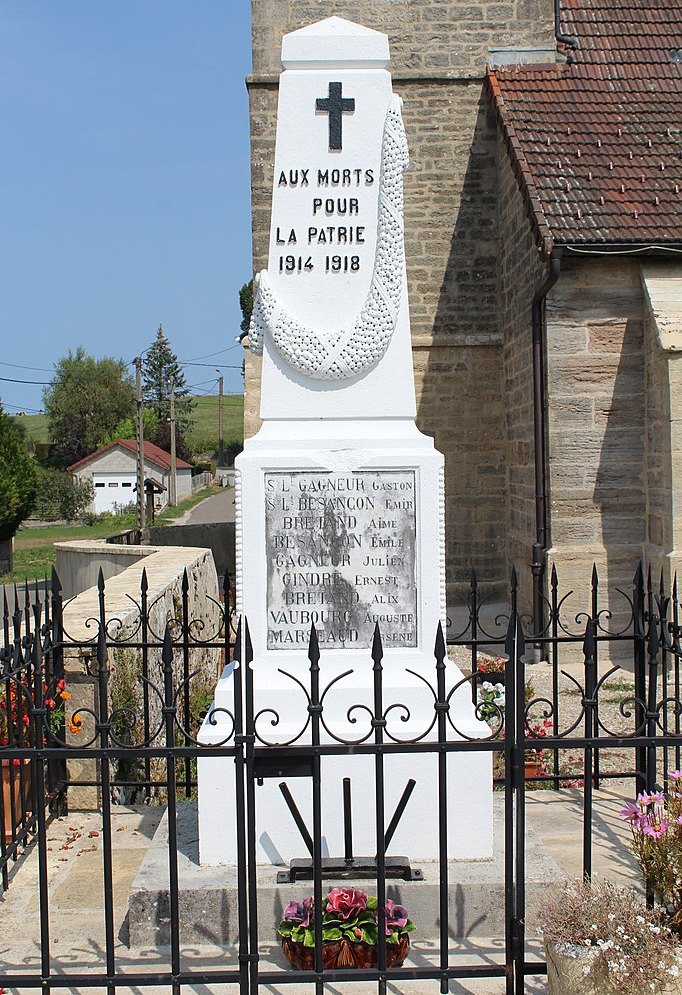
[
  {"x": 34, "y": 554},
  {"x": 204, "y": 422}
]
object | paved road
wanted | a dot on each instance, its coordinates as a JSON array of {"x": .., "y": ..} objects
[
  {"x": 8, "y": 589},
  {"x": 218, "y": 508}
]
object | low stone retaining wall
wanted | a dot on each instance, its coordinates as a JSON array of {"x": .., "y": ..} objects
[
  {"x": 164, "y": 567},
  {"x": 219, "y": 537}
]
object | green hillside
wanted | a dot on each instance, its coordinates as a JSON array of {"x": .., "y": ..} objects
[
  {"x": 203, "y": 435},
  {"x": 35, "y": 426}
]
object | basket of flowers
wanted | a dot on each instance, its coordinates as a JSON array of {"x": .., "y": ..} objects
[
  {"x": 350, "y": 931},
  {"x": 601, "y": 939}
]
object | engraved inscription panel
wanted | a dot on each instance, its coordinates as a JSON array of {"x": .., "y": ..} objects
[{"x": 340, "y": 553}]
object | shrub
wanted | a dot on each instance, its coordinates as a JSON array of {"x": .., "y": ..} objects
[
  {"x": 631, "y": 948},
  {"x": 61, "y": 496}
]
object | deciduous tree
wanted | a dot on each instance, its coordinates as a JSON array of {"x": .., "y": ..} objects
[
  {"x": 85, "y": 400},
  {"x": 18, "y": 485}
]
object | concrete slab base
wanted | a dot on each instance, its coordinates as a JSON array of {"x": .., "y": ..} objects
[{"x": 208, "y": 896}]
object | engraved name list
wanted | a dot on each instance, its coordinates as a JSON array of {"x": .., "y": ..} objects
[{"x": 340, "y": 550}]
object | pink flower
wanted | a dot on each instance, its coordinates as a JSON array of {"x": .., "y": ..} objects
[
  {"x": 630, "y": 812},
  {"x": 299, "y": 912},
  {"x": 396, "y": 916},
  {"x": 346, "y": 902},
  {"x": 656, "y": 829}
]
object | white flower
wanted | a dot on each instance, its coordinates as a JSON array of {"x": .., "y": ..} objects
[{"x": 586, "y": 968}]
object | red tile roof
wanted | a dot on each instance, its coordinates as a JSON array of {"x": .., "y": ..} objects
[
  {"x": 152, "y": 454},
  {"x": 597, "y": 143}
]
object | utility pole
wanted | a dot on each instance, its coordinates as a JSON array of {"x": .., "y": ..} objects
[
  {"x": 221, "y": 447},
  {"x": 139, "y": 443},
  {"x": 173, "y": 467}
]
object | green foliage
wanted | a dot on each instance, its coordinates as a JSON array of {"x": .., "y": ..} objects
[
  {"x": 61, "y": 496},
  {"x": 85, "y": 400},
  {"x": 348, "y": 914},
  {"x": 246, "y": 305},
  {"x": 202, "y": 436},
  {"x": 18, "y": 478},
  {"x": 127, "y": 429},
  {"x": 160, "y": 365}
]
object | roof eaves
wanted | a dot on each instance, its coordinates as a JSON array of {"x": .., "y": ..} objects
[{"x": 521, "y": 169}]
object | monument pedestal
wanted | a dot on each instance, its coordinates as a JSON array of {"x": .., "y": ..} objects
[{"x": 395, "y": 479}]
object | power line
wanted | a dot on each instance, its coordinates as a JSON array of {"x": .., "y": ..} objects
[
  {"x": 215, "y": 366},
  {"x": 17, "y": 407},
  {"x": 201, "y": 383},
  {"x": 18, "y": 366},
  {"x": 187, "y": 362},
  {"x": 38, "y": 383}
]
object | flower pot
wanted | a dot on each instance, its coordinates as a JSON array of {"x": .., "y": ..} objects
[
  {"x": 566, "y": 965},
  {"x": 12, "y": 785},
  {"x": 342, "y": 954},
  {"x": 532, "y": 768},
  {"x": 494, "y": 676}
]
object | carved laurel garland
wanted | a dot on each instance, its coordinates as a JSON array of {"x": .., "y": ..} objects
[{"x": 336, "y": 355}]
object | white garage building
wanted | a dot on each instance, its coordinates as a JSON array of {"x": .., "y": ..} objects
[{"x": 112, "y": 470}]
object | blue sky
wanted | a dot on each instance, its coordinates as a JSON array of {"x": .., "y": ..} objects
[{"x": 124, "y": 183}]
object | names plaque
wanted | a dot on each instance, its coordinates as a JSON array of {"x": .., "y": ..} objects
[{"x": 340, "y": 551}]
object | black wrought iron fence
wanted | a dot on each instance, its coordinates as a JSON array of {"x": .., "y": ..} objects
[{"x": 149, "y": 743}]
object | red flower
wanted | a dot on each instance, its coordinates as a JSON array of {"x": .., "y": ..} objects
[{"x": 346, "y": 902}]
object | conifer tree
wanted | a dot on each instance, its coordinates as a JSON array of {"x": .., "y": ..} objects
[{"x": 159, "y": 366}]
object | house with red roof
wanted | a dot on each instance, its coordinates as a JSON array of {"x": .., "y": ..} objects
[{"x": 113, "y": 472}]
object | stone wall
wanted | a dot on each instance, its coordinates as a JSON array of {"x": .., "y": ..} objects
[
  {"x": 662, "y": 286},
  {"x": 521, "y": 272},
  {"x": 596, "y": 425},
  {"x": 78, "y": 563},
  {"x": 219, "y": 537},
  {"x": 164, "y": 568},
  {"x": 427, "y": 35},
  {"x": 439, "y": 52}
]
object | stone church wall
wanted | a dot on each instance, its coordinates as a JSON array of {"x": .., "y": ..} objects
[
  {"x": 521, "y": 272},
  {"x": 439, "y": 53},
  {"x": 662, "y": 285},
  {"x": 596, "y": 425}
]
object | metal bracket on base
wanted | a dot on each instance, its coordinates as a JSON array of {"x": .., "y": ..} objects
[{"x": 397, "y": 868}]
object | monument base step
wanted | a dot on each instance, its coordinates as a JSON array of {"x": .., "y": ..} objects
[{"x": 208, "y": 896}]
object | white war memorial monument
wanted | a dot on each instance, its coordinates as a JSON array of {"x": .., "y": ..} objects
[{"x": 340, "y": 503}]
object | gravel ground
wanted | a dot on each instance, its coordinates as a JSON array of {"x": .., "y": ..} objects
[{"x": 615, "y": 710}]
